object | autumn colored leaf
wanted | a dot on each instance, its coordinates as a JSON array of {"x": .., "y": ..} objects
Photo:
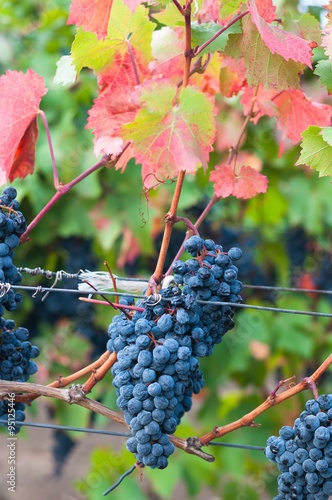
[
  {"x": 110, "y": 111},
  {"x": 327, "y": 33},
  {"x": 25, "y": 154},
  {"x": 266, "y": 10},
  {"x": 293, "y": 110},
  {"x": 133, "y": 4},
  {"x": 167, "y": 49},
  {"x": 124, "y": 29},
  {"x": 306, "y": 26},
  {"x": 20, "y": 96},
  {"x": 245, "y": 183},
  {"x": 172, "y": 131},
  {"x": 260, "y": 65},
  {"x": 281, "y": 42},
  {"x": 91, "y": 15},
  {"x": 317, "y": 150},
  {"x": 229, "y": 8}
]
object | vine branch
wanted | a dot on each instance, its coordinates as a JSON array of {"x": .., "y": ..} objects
[
  {"x": 76, "y": 395},
  {"x": 62, "y": 189},
  {"x": 198, "y": 50},
  {"x": 273, "y": 399}
]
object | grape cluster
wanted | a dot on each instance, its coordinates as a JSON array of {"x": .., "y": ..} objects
[
  {"x": 12, "y": 226},
  {"x": 16, "y": 351},
  {"x": 157, "y": 371},
  {"x": 303, "y": 453}
]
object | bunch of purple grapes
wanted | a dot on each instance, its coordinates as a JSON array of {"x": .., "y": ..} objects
[
  {"x": 303, "y": 453},
  {"x": 16, "y": 351},
  {"x": 157, "y": 371}
]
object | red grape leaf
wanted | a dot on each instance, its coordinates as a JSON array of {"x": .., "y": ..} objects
[
  {"x": 281, "y": 42},
  {"x": 293, "y": 110},
  {"x": 172, "y": 131},
  {"x": 266, "y": 10},
  {"x": 254, "y": 60},
  {"x": 20, "y": 96},
  {"x": 245, "y": 184},
  {"x": 25, "y": 154},
  {"x": 92, "y": 15},
  {"x": 110, "y": 111},
  {"x": 114, "y": 106},
  {"x": 167, "y": 49}
]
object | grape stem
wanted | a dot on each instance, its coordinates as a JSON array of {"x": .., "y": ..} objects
[
  {"x": 171, "y": 214},
  {"x": 64, "y": 381},
  {"x": 62, "y": 189},
  {"x": 272, "y": 400},
  {"x": 77, "y": 395},
  {"x": 198, "y": 50}
]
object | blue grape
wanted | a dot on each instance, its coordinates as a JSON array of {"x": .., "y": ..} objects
[{"x": 312, "y": 469}]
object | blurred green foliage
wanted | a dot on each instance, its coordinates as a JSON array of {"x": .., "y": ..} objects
[{"x": 262, "y": 349}]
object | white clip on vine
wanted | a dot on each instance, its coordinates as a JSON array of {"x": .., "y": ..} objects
[{"x": 4, "y": 288}]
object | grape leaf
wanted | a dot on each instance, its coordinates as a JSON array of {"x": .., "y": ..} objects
[
  {"x": 167, "y": 49},
  {"x": 209, "y": 10},
  {"x": 266, "y": 10},
  {"x": 245, "y": 183},
  {"x": 201, "y": 33},
  {"x": 307, "y": 26},
  {"x": 20, "y": 96},
  {"x": 133, "y": 4},
  {"x": 261, "y": 66},
  {"x": 172, "y": 131},
  {"x": 114, "y": 106},
  {"x": 281, "y": 42},
  {"x": 327, "y": 134},
  {"x": 87, "y": 51},
  {"x": 327, "y": 32},
  {"x": 65, "y": 72},
  {"x": 25, "y": 154},
  {"x": 124, "y": 28},
  {"x": 229, "y": 7},
  {"x": 91, "y": 15},
  {"x": 110, "y": 111},
  {"x": 293, "y": 110},
  {"x": 316, "y": 150},
  {"x": 324, "y": 70}
]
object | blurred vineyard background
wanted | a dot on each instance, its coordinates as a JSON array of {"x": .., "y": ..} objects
[{"x": 286, "y": 239}]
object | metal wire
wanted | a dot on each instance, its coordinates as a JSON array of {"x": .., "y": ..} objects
[
  {"x": 41, "y": 289},
  {"x": 119, "y": 434},
  {"x": 67, "y": 428},
  {"x": 121, "y": 478},
  {"x": 288, "y": 289}
]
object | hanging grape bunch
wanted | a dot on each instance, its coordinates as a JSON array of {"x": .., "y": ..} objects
[
  {"x": 157, "y": 371},
  {"x": 16, "y": 351},
  {"x": 303, "y": 453}
]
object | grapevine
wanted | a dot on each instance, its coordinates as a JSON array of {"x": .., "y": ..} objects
[{"x": 178, "y": 88}]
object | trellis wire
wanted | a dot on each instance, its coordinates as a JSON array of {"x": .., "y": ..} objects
[
  {"x": 41, "y": 289},
  {"x": 114, "y": 433}
]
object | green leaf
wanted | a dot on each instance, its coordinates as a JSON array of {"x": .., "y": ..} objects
[
  {"x": 229, "y": 8},
  {"x": 173, "y": 131},
  {"x": 316, "y": 150},
  {"x": 88, "y": 51},
  {"x": 324, "y": 70},
  {"x": 201, "y": 33}
]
